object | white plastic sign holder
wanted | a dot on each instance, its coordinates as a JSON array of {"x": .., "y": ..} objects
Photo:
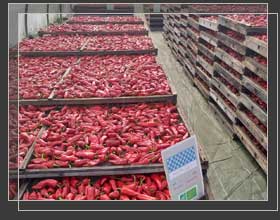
[{"x": 183, "y": 170}]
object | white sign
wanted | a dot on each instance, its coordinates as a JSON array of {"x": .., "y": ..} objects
[{"x": 183, "y": 170}]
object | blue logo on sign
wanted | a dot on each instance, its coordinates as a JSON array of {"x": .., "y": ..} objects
[{"x": 181, "y": 159}]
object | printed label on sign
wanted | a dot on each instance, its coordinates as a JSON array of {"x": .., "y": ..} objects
[{"x": 183, "y": 170}]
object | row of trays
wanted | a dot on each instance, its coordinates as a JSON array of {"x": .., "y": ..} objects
[{"x": 206, "y": 78}]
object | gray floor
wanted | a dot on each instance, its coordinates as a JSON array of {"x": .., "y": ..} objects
[{"x": 233, "y": 174}]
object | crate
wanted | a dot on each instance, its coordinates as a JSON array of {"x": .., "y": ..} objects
[
  {"x": 201, "y": 87},
  {"x": 233, "y": 98},
  {"x": 229, "y": 60},
  {"x": 239, "y": 27},
  {"x": 231, "y": 114},
  {"x": 253, "y": 107},
  {"x": 192, "y": 45},
  {"x": 104, "y": 169},
  {"x": 254, "y": 88},
  {"x": 208, "y": 67},
  {"x": 256, "y": 153},
  {"x": 256, "y": 45},
  {"x": 192, "y": 22},
  {"x": 254, "y": 129},
  {"x": 207, "y": 52},
  {"x": 222, "y": 71},
  {"x": 208, "y": 38},
  {"x": 193, "y": 35},
  {"x": 203, "y": 76},
  {"x": 208, "y": 24},
  {"x": 222, "y": 118},
  {"x": 232, "y": 43},
  {"x": 256, "y": 67}
]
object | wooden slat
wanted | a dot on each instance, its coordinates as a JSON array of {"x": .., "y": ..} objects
[
  {"x": 253, "y": 107},
  {"x": 193, "y": 46},
  {"x": 223, "y": 106},
  {"x": 192, "y": 22},
  {"x": 209, "y": 38},
  {"x": 59, "y": 82},
  {"x": 229, "y": 60},
  {"x": 208, "y": 67},
  {"x": 190, "y": 66},
  {"x": 239, "y": 27},
  {"x": 22, "y": 190},
  {"x": 94, "y": 33},
  {"x": 105, "y": 100},
  {"x": 208, "y": 24},
  {"x": 87, "y": 53},
  {"x": 221, "y": 118},
  {"x": 92, "y": 171},
  {"x": 254, "y": 130},
  {"x": 203, "y": 76},
  {"x": 201, "y": 88},
  {"x": 226, "y": 74},
  {"x": 256, "y": 45},
  {"x": 252, "y": 149},
  {"x": 256, "y": 67},
  {"x": 233, "y": 98},
  {"x": 204, "y": 50},
  {"x": 192, "y": 34},
  {"x": 254, "y": 88},
  {"x": 31, "y": 150},
  {"x": 105, "y": 22},
  {"x": 232, "y": 43}
]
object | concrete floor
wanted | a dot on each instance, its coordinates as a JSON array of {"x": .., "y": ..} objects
[{"x": 233, "y": 173}]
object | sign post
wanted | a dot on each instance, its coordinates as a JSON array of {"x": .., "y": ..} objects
[{"x": 183, "y": 170}]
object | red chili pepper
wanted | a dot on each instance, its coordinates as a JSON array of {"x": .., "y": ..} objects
[
  {"x": 61, "y": 163},
  {"x": 113, "y": 184},
  {"x": 70, "y": 196},
  {"x": 145, "y": 197},
  {"x": 44, "y": 192},
  {"x": 74, "y": 138},
  {"x": 80, "y": 197},
  {"x": 81, "y": 189},
  {"x": 160, "y": 196},
  {"x": 65, "y": 191},
  {"x": 48, "y": 182},
  {"x": 93, "y": 162},
  {"x": 73, "y": 190},
  {"x": 120, "y": 184},
  {"x": 32, "y": 196},
  {"x": 58, "y": 193},
  {"x": 37, "y": 166},
  {"x": 68, "y": 158},
  {"x": 74, "y": 182},
  {"x": 124, "y": 197},
  {"x": 129, "y": 192},
  {"x": 122, "y": 161},
  {"x": 86, "y": 181},
  {"x": 104, "y": 197},
  {"x": 114, "y": 194},
  {"x": 25, "y": 196},
  {"x": 156, "y": 178},
  {"x": 85, "y": 154},
  {"x": 90, "y": 192},
  {"x": 107, "y": 188},
  {"x": 164, "y": 184},
  {"x": 80, "y": 162}
]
